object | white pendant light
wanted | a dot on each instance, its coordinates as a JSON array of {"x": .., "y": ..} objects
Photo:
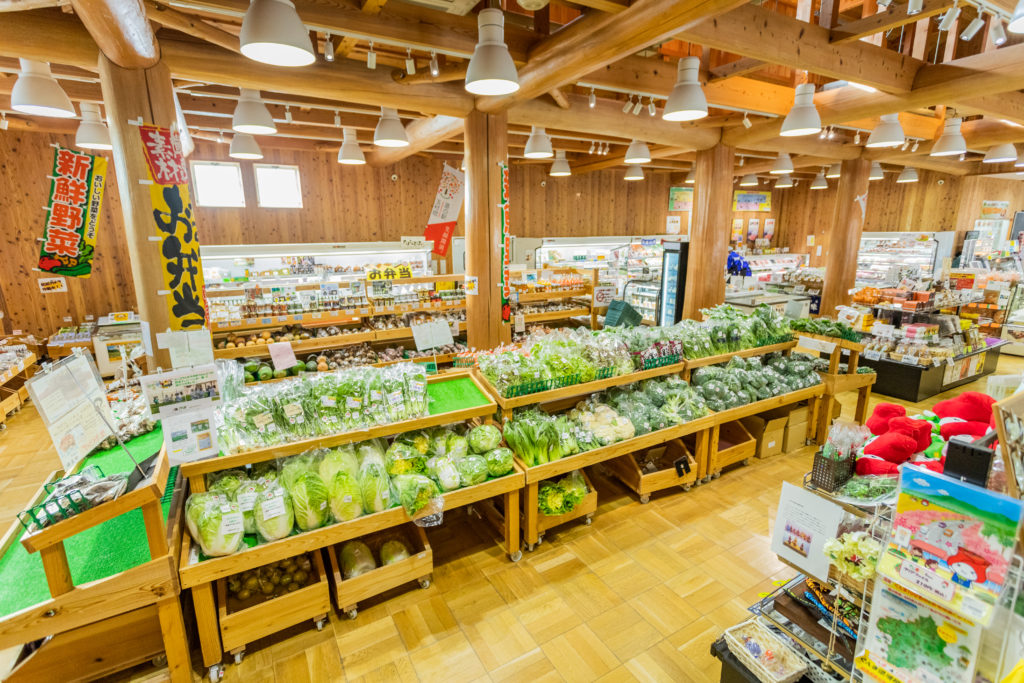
[
  {"x": 819, "y": 182},
  {"x": 784, "y": 181},
  {"x": 888, "y": 132},
  {"x": 251, "y": 115},
  {"x": 876, "y": 172},
  {"x": 914, "y": 7},
  {"x": 273, "y": 33},
  {"x": 638, "y": 153},
  {"x": 36, "y": 92},
  {"x": 802, "y": 118},
  {"x": 783, "y": 164},
  {"x": 1020, "y": 161},
  {"x": 687, "y": 101},
  {"x": 350, "y": 153},
  {"x": 538, "y": 145},
  {"x": 1016, "y": 23},
  {"x": 634, "y": 172},
  {"x": 92, "y": 132},
  {"x": 690, "y": 177},
  {"x": 907, "y": 175},
  {"x": 951, "y": 142},
  {"x": 491, "y": 70},
  {"x": 834, "y": 171},
  {"x": 390, "y": 132},
  {"x": 749, "y": 180},
  {"x": 1000, "y": 154},
  {"x": 244, "y": 146},
  {"x": 560, "y": 167}
]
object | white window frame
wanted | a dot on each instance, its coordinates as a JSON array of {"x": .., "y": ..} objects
[
  {"x": 259, "y": 195},
  {"x": 195, "y": 183}
]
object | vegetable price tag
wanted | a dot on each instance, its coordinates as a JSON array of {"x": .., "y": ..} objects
[
  {"x": 262, "y": 421},
  {"x": 297, "y": 317},
  {"x": 817, "y": 344},
  {"x": 246, "y": 500},
  {"x": 800, "y": 289},
  {"x": 293, "y": 411},
  {"x": 265, "y": 321},
  {"x": 317, "y": 316},
  {"x": 273, "y": 506},
  {"x": 364, "y": 311},
  {"x": 603, "y": 295},
  {"x": 873, "y": 355},
  {"x": 520, "y": 322},
  {"x": 282, "y": 318},
  {"x": 328, "y": 401},
  {"x": 455, "y": 327},
  {"x": 395, "y": 398},
  {"x": 282, "y": 355},
  {"x": 353, "y": 402},
  {"x": 230, "y": 522}
]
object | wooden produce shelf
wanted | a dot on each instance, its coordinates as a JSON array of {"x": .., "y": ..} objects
[
  {"x": 55, "y": 351},
  {"x": 694, "y": 363},
  {"x": 432, "y": 307},
  {"x": 861, "y": 382},
  {"x": 314, "y": 319},
  {"x": 397, "y": 334},
  {"x": 840, "y": 343},
  {"x": 348, "y": 593},
  {"x": 555, "y": 315},
  {"x": 222, "y": 289},
  {"x": 300, "y": 346},
  {"x": 627, "y": 470},
  {"x": 585, "y": 508},
  {"x": 525, "y": 297},
  {"x": 16, "y": 370}
]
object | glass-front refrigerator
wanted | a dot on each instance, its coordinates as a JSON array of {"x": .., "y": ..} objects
[{"x": 673, "y": 282}]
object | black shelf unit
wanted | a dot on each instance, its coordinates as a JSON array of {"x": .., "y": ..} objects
[{"x": 918, "y": 382}]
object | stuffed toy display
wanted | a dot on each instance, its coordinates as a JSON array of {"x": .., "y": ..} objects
[{"x": 921, "y": 439}]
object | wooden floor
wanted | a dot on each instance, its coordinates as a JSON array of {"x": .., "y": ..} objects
[{"x": 639, "y": 595}]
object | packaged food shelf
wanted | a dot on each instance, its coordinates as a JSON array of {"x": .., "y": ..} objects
[
  {"x": 585, "y": 509},
  {"x": 225, "y": 290},
  {"x": 526, "y": 296},
  {"x": 310, "y": 319},
  {"x": 913, "y": 382},
  {"x": 301, "y": 346}
]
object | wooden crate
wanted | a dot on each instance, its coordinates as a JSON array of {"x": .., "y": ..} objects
[
  {"x": 418, "y": 567},
  {"x": 243, "y": 626},
  {"x": 628, "y": 471},
  {"x": 733, "y": 444},
  {"x": 586, "y": 508}
]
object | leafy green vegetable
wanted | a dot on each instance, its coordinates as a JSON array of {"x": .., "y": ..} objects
[
  {"x": 499, "y": 462},
  {"x": 401, "y": 458},
  {"x": 309, "y": 500},
  {"x": 551, "y": 498},
  {"x": 472, "y": 469},
  {"x": 393, "y": 550},
  {"x": 484, "y": 438},
  {"x": 215, "y": 523},
  {"x": 441, "y": 469},
  {"x": 416, "y": 492},
  {"x": 344, "y": 495},
  {"x": 373, "y": 480},
  {"x": 273, "y": 514}
]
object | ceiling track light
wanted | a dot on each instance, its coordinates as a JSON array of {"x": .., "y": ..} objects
[
  {"x": 746, "y": 120},
  {"x": 856, "y": 138},
  {"x": 913, "y": 148},
  {"x": 3, "y": 121},
  {"x": 591, "y": 147},
  {"x": 592, "y": 100},
  {"x": 491, "y": 70},
  {"x": 328, "y": 47},
  {"x": 337, "y": 120},
  {"x": 963, "y": 156},
  {"x": 948, "y": 18},
  {"x": 888, "y": 133},
  {"x": 538, "y": 145},
  {"x": 743, "y": 160},
  {"x": 371, "y": 58},
  {"x": 803, "y": 118},
  {"x": 972, "y": 28},
  {"x": 652, "y": 109},
  {"x": 560, "y": 167},
  {"x": 638, "y": 152},
  {"x": 784, "y": 181},
  {"x": 823, "y": 133},
  {"x": 691, "y": 177},
  {"x": 435, "y": 70},
  {"x": 914, "y": 7},
  {"x": 638, "y": 106},
  {"x": 831, "y": 133},
  {"x": 905, "y": 145},
  {"x": 629, "y": 104},
  {"x": 749, "y": 180},
  {"x": 389, "y": 131},
  {"x": 995, "y": 31},
  {"x": 37, "y": 93},
  {"x": 273, "y": 33},
  {"x": 410, "y": 63},
  {"x": 287, "y": 114},
  {"x": 951, "y": 142},
  {"x": 687, "y": 101}
]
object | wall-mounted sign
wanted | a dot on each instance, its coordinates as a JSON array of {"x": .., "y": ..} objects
[
  {"x": 769, "y": 228},
  {"x": 992, "y": 209},
  {"x": 680, "y": 199},
  {"x": 76, "y": 194},
  {"x": 52, "y": 285},
  {"x": 402, "y": 272},
  {"x": 744, "y": 200}
]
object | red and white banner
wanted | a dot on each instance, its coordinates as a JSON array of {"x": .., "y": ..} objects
[{"x": 445, "y": 213}]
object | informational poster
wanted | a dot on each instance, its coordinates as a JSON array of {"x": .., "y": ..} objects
[
  {"x": 673, "y": 225},
  {"x": 174, "y": 220},
  {"x": 753, "y": 229},
  {"x": 952, "y": 542},
  {"x": 769, "y": 228},
  {"x": 431, "y": 335},
  {"x": 190, "y": 435},
  {"x": 506, "y": 247},
  {"x": 178, "y": 391},
  {"x": 737, "y": 230},
  {"x": 186, "y": 348},
  {"x": 992, "y": 209},
  {"x": 52, "y": 285},
  {"x": 445, "y": 213},
  {"x": 604, "y": 294},
  {"x": 73, "y": 211},
  {"x": 680, "y": 199},
  {"x": 803, "y": 523},
  {"x": 745, "y": 200}
]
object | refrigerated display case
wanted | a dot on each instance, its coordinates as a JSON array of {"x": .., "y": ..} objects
[
  {"x": 643, "y": 296},
  {"x": 885, "y": 258},
  {"x": 673, "y": 281},
  {"x": 769, "y": 267},
  {"x": 1013, "y": 328},
  {"x": 620, "y": 259}
]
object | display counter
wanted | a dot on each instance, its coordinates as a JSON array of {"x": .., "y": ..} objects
[{"x": 918, "y": 382}]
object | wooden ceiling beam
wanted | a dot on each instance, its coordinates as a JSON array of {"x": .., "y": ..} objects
[
  {"x": 192, "y": 25},
  {"x": 423, "y": 134},
  {"x": 345, "y": 45},
  {"x": 445, "y": 74},
  {"x": 67, "y": 42},
  {"x": 23, "y": 5},
  {"x": 658, "y": 152},
  {"x": 884, "y": 21},
  {"x": 739, "y": 67},
  {"x": 121, "y": 30}
]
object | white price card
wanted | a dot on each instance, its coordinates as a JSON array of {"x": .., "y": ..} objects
[
  {"x": 186, "y": 348},
  {"x": 432, "y": 335},
  {"x": 816, "y": 344},
  {"x": 873, "y": 355},
  {"x": 603, "y": 295},
  {"x": 282, "y": 355},
  {"x": 519, "y": 322},
  {"x": 414, "y": 243},
  {"x": 800, "y": 289}
]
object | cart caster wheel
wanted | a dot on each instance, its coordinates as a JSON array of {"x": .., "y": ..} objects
[
  {"x": 425, "y": 582},
  {"x": 516, "y": 556},
  {"x": 588, "y": 520},
  {"x": 352, "y": 613},
  {"x": 216, "y": 673},
  {"x": 645, "y": 499},
  {"x": 716, "y": 475},
  {"x": 530, "y": 547},
  {"x": 746, "y": 461},
  {"x": 239, "y": 656},
  {"x": 159, "y": 661},
  {"x": 540, "y": 539},
  {"x": 687, "y": 487},
  {"x": 320, "y": 623}
]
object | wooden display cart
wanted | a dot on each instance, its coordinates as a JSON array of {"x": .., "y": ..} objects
[
  {"x": 837, "y": 383},
  {"x": 13, "y": 392},
  {"x": 585, "y": 509},
  {"x": 628, "y": 470},
  {"x": 137, "y": 610}
]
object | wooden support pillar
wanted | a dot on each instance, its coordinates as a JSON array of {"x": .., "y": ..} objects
[
  {"x": 844, "y": 235},
  {"x": 486, "y": 143},
  {"x": 709, "y": 231},
  {"x": 131, "y": 95}
]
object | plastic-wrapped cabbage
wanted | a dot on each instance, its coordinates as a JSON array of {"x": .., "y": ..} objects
[
  {"x": 456, "y": 445},
  {"x": 373, "y": 449},
  {"x": 419, "y": 440},
  {"x": 297, "y": 465},
  {"x": 245, "y": 496},
  {"x": 484, "y": 438},
  {"x": 344, "y": 495},
  {"x": 273, "y": 514},
  {"x": 438, "y": 440},
  {"x": 418, "y": 494},
  {"x": 374, "y": 484},
  {"x": 472, "y": 469},
  {"x": 499, "y": 462},
  {"x": 226, "y": 482},
  {"x": 265, "y": 471},
  {"x": 402, "y": 458},
  {"x": 441, "y": 469},
  {"x": 337, "y": 459},
  {"x": 309, "y": 500},
  {"x": 356, "y": 559},
  {"x": 217, "y": 522},
  {"x": 575, "y": 488},
  {"x": 393, "y": 550}
]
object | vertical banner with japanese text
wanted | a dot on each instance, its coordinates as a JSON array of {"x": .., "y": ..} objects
[
  {"x": 444, "y": 215},
  {"x": 506, "y": 246},
  {"x": 174, "y": 220},
  {"x": 76, "y": 195}
]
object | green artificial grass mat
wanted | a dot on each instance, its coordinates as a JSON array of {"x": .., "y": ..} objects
[
  {"x": 96, "y": 553},
  {"x": 454, "y": 394}
]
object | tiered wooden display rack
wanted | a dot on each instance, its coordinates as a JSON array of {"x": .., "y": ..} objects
[
  {"x": 12, "y": 386},
  {"x": 582, "y": 305},
  {"x": 837, "y": 383}
]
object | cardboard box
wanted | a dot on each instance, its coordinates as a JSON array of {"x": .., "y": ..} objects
[
  {"x": 795, "y": 432},
  {"x": 769, "y": 431}
]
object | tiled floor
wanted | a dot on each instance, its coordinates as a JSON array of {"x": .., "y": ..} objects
[{"x": 639, "y": 595}]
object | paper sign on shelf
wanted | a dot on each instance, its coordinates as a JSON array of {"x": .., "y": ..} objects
[
  {"x": 413, "y": 242},
  {"x": 181, "y": 391},
  {"x": 190, "y": 435},
  {"x": 186, "y": 348},
  {"x": 431, "y": 335},
  {"x": 519, "y": 321},
  {"x": 603, "y": 295},
  {"x": 282, "y": 355},
  {"x": 803, "y": 523},
  {"x": 816, "y": 344},
  {"x": 472, "y": 285}
]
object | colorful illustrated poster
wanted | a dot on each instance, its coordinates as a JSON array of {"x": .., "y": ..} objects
[
  {"x": 506, "y": 247},
  {"x": 803, "y": 523},
  {"x": 994, "y": 209},
  {"x": 744, "y": 200},
  {"x": 174, "y": 220},
  {"x": 769, "y": 228},
  {"x": 444, "y": 215},
  {"x": 680, "y": 199},
  {"x": 76, "y": 195},
  {"x": 753, "y": 229},
  {"x": 952, "y": 542},
  {"x": 737, "y": 230},
  {"x": 913, "y": 640}
]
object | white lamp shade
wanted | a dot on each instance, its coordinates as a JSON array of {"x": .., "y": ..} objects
[
  {"x": 37, "y": 93},
  {"x": 951, "y": 142},
  {"x": 251, "y": 115},
  {"x": 749, "y": 180},
  {"x": 637, "y": 153},
  {"x": 1001, "y": 154},
  {"x": 876, "y": 172},
  {"x": 834, "y": 171},
  {"x": 783, "y": 164},
  {"x": 907, "y": 175},
  {"x": 350, "y": 153},
  {"x": 1020, "y": 161},
  {"x": 390, "y": 132},
  {"x": 1016, "y": 23},
  {"x": 802, "y": 118},
  {"x": 819, "y": 182},
  {"x": 888, "y": 132},
  {"x": 244, "y": 146},
  {"x": 634, "y": 172},
  {"x": 491, "y": 70},
  {"x": 538, "y": 145},
  {"x": 784, "y": 181},
  {"x": 691, "y": 178},
  {"x": 687, "y": 101},
  {"x": 273, "y": 33},
  {"x": 560, "y": 167},
  {"x": 92, "y": 132}
]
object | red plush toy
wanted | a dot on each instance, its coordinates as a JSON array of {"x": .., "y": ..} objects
[
  {"x": 972, "y": 406},
  {"x": 878, "y": 423},
  {"x": 950, "y": 429},
  {"x": 893, "y": 446},
  {"x": 868, "y": 465},
  {"x": 919, "y": 430}
]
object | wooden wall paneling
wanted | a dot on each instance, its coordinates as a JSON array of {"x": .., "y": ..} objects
[{"x": 976, "y": 189}]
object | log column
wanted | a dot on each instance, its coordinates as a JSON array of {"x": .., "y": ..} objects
[
  {"x": 844, "y": 235},
  {"x": 486, "y": 144},
  {"x": 128, "y": 95},
  {"x": 709, "y": 230}
]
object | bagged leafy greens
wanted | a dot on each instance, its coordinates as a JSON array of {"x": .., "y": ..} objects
[
  {"x": 273, "y": 513},
  {"x": 484, "y": 438},
  {"x": 215, "y": 522},
  {"x": 499, "y": 461},
  {"x": 472, "y": 469},
  {"x": 441, "y": 469}
]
